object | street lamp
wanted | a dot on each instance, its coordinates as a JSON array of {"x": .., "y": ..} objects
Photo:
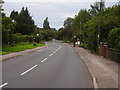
[
  {"x": 37, "y": 38},
  {"x": 99, "y": 27},
  {"x": 74, "y": 41},
  {"x": 80, "y": 34}
]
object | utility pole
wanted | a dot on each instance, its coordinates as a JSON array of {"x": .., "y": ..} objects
[
  {"x": 98, "y": 31},
  {"x": 99, "y": 24}
]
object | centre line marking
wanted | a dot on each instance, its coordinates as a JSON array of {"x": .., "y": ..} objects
[
  {"x": 50, "y": 55},
  {"x": 3, "y": 85},
  {"x": 57, "y": 49},
  {"x": 44, "y": 60},
  {"x": 29, "y": 70}
]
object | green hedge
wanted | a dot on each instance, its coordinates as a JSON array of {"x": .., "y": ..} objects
[
  {"x": 22, "y": 38},
  {"x": 84, "y": 45}
]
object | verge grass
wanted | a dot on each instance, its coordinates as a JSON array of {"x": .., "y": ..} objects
[
  {"x": 20, "y": 47},
  {"x": 3, "y": 53}
]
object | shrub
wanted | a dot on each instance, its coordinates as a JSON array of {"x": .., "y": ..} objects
[
  {"x": 114, "y": 38},
  {"x": 84, "y": 45},
  {"x": 81, "y": 45},
  {"x": 22, "y": 38}
]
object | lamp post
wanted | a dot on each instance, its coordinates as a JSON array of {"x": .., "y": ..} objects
[
  {"x": 99, "y": 25},
  {"x": 37, "y": 38},
  {"x": 74, "y": 41},
  {"x": 80, "y": 34}
]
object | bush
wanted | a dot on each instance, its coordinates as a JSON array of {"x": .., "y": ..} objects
[
  {"x": 17, "y": 37},
  {"x": 84, "y": 45},
  {"x": 81, "y": 45},
  {"x": 66, "y": 41},
  {"x": 22, "y": 38},
  {"x": 114, "y": 38},
  {"x": 5, "y": 36}
]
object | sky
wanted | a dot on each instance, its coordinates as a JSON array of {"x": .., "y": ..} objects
[{"x": 56, "y": 10}]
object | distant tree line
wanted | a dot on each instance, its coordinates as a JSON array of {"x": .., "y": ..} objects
[
  {"x": 20, "y": 27},
  {"x": 98, "y": 24}
]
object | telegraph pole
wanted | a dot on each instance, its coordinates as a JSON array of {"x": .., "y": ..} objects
[{"x": 99, "y": 23}]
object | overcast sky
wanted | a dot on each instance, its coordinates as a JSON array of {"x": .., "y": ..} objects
[{"x": 56, "y": 10}]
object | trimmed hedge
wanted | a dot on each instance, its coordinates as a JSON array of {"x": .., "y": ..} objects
[{"x": 22, "y": 38}]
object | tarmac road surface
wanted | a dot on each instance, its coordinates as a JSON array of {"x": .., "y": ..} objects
[{"x": 57, "y": 66}]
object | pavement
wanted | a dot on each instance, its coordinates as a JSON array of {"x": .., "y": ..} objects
[
  {"x": 58, "y": 66},
  {"x": 104, "y": 71}
]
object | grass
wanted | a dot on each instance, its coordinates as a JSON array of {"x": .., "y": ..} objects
[
  {"x": 3, "y": 53},
  {"x": 66, "y": 41},
  {"x": 20, "y": 47}
]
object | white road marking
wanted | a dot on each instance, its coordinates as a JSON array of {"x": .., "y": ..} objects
[
  {"x": 57, "y": 49},
  {"x": 50, "y": 55},
  {"x": 3, "y": 85},
  {"x": 44, "y": 60},
  {"x": 29, "y": 70}
]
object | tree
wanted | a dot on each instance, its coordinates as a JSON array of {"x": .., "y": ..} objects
[
  {"x": 46, "y": 24},
  {"x": 97, "y": 7},
  {"x": 110, "y": 20},
  {"x": 24, "y": 23},
  {"x": 114, "y": 38},
  {"x": 79, "y": 22},
  {"x": 14, "y": 15},
  {"x": 68, "y": 27},
  {"x": 7, "y": 25},
  {"x": 60, "y": 33},
  {"x": 1, "y": 1}
]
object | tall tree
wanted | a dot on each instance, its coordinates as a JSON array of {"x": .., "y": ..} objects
[
  {"x": 25, "y": 24},
  {"x": 68, "y": 27},
  {"x": 7, "y": 28},
  {"x": 46, "y": 24},
  {"x": 79, "y": 22},
  {"x": 97, "y": 7},
  {"x": 14, "y": 15}
]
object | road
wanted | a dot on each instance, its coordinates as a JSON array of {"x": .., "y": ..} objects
[{"x": 57, "y": 66}]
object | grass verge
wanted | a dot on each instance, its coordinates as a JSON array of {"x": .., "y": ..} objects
[
  {"x": 3, "y": 53},
  {"x": 20, "y": 47}
]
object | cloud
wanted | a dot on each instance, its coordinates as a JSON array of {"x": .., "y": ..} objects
[{"x": 56, "y": 11}]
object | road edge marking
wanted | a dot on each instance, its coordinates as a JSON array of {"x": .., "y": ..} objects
[
  {"x": 28, "y": 70},
  {"x": 95, "y": 85},
  {"x": 3, "y": 85}
]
